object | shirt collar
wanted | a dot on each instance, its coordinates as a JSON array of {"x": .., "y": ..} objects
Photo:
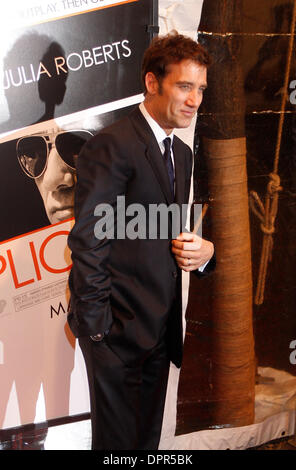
[{"x": 159, "y": 133}]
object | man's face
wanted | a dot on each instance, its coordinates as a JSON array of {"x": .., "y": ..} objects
[
  {"x": 50, "y": 159},
  {"x": 175, "y": 102},
  {"x": 56, "y": 186}
]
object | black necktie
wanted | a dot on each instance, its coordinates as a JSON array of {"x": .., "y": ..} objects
[{"x": 169, "y": 164}]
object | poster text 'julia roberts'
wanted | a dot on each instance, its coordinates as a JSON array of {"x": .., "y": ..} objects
[{"x": 25, "y": 74}]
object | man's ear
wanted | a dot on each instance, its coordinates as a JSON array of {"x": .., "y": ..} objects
[{"x": 151, "y": 82}]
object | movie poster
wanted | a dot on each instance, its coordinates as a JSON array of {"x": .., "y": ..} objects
[{"x": 67, "y": 69}]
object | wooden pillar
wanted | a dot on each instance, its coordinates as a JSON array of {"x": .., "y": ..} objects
[{"x": 224, "y": 149}]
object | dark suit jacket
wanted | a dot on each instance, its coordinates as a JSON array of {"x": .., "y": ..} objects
[{"x": 131, "y": 287}]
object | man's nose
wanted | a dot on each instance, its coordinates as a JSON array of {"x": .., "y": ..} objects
[
  {"x": 194, "y": 98},
  {"x": 57, "y": 174}
]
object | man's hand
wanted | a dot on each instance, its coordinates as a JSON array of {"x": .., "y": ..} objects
[{"x": 191, "y": 251}]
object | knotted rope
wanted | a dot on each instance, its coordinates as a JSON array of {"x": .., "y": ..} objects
[{"x": 267, "y": 212}]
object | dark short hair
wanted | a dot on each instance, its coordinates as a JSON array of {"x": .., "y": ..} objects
[{"x": 172, "y": 48}]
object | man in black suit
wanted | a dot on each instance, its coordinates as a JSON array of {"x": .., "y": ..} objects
[{"x": 125, "y": 291}]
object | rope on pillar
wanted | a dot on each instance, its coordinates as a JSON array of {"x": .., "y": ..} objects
[{"x": 267, "y": 212}]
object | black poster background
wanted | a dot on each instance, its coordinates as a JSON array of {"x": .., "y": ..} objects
[{"x": 90, "y": 85}]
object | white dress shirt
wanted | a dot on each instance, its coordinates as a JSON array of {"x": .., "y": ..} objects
[{"x": 158, "y": 131}]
